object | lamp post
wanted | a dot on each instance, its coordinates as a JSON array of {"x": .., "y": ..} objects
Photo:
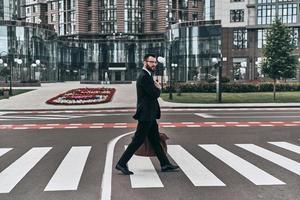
[
  {"x": 34, "y": 66},
  {"x": 10, "y": 71},
  {"x": 163, "y": 61},
  {"x": 217, "y": 62}
]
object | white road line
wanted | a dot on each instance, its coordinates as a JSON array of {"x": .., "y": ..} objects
[
  {"x": 193, "y": 126},
  {"x": 17, "y": 170},
  {"x": 282, "y": 161},
  {"x": 46, "y": 127},
  {"x": 145, "y": 175},
  {"x": 193, "y": 168},
  {"x": 96, "y": 127},
  {"x": 68, "y": 174},
  {"x": 168, "y": 126},
  {"x": 242, "y": 125},
  {"x": 288, "y": 146},
  {"x": 291, "y": 125},
  {"x": 246, "y": 169},
  {"x": 107, "y": 174},
  {"x": 98, "y": 124},
  {"x": 217, "y": 125},
  {"x": 4, "y": 151},
  {"x": 119, "y": 126},
  {"x": 204, "y": 115},
  {"x": 20, "y": 128}
]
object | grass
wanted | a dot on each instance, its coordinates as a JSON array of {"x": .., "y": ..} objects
[
  {"x": 261, "y": 97},
  {"x": 17, "y": 91}
]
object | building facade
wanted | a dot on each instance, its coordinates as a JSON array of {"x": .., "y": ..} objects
[
  {"x": 244, "y": 26},
  {"x": 96, "y": 37}
]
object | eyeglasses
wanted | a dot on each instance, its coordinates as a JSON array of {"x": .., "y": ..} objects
[{"x": 153, "y": 62}]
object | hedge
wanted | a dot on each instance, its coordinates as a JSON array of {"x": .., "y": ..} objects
[{"x": 233, "y": 87}]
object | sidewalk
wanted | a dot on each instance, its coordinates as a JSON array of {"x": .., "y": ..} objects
[{"x": 124, "y": 97}]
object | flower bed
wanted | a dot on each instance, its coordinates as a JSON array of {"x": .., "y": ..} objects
[{"x": 82, "y": 96}]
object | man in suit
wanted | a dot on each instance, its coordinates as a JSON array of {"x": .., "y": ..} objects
[{"x": 147, "y": 112}]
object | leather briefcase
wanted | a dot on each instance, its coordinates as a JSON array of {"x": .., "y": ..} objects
[{"x": 146, "y": 149}]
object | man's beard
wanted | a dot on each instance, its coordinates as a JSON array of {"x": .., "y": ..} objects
[{"x": 150, "y": 68}]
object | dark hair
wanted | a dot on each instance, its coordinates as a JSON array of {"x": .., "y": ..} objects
[{"x": 149, "y": 55}]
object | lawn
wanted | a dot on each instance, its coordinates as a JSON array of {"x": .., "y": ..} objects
[
  {"x": 261, "y": 97},
  {"x": 17, "y": 91}
]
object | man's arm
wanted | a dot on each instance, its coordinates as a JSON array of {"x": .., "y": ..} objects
[{"x": 150, "y": 87}]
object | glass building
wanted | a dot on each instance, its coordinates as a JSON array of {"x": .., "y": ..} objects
[{"x": 192, "y": 46}]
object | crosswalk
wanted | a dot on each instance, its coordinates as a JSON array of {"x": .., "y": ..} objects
[{"x": 70, "y": 169}]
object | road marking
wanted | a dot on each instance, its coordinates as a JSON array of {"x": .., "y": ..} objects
[
  {"x": 193, "y": 126},
  {"x": 291, "y": 125},
  {"x": 288, "y": 146},
  {"x": 145, "y": 175},
  {"x": 45, "y": 127},
  {"x": 119, "y": 126},
  {"x": 204, "y": 115},
  {"x": 282, "y": 161},
  {"x": 69, "y": 172},
  {"x": 4, "y": 151},
  {"x": 96, "y": 127},
  {"x": 107, "y": 174},
  {"x": 20, "y": 128},
  {"x": 218, "y": 125},
  {"x": 165, "y": 125},
  {"x": 193, "y": 168},
  {"x": 10, "y": 177},
  {"x": 242, "y": 125},
  {"x": 246, "y": 169},
  {"x": 187, "y": 123},
  {"x": 168, "y": 126}
]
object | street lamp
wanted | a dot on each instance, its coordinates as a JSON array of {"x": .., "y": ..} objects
[
  {"x": 163, "y": 61},
  {"x": 10, "y": 72},
  {"x": 217, "y": 62},
  {"x": 34, "y": 66}
]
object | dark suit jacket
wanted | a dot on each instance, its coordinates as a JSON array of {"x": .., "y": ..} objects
[{"x": 147, "y": 94}]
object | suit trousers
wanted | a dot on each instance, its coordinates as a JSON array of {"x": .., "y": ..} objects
[{"x": 145, "y": 129}]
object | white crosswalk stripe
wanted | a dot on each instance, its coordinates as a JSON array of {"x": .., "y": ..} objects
[
  {"x": 68, "y": 174},
  {"x": 287, "y": 146},
  {"x": 145, "y": 175},
  {"x": 248, "y": 170},
  {"x": 193, "y": 169},
  {"x": 282, "y": 161},
  {"x": 4, "y": 151},
  {"x": 10, "y": 177}
]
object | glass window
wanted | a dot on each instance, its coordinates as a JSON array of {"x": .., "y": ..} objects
[
  {"x": 3, "y": 39},
  {"x": 287, "y": 13},
  {"x": 266, "y": 14},
  {"x": 236, "y": 15},
  {"x": 261, "y": 38},
  {"x": 240, "y": 39}
]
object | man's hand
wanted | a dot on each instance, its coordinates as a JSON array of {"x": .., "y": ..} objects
[{"x": 156, "y": 83}]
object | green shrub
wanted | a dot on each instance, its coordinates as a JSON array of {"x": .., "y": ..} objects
[{"x": 234, "y": 87}]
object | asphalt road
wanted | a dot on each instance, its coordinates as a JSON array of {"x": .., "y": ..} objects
[{"x": 223, "y": 154}]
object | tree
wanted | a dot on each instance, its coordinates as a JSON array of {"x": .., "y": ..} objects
[
  {"x": 4, "y": 72},
  {"x": 278, "y": 59}
]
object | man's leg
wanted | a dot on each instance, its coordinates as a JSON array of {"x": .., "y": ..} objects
[
  {"x": 142, "y": 130},
  {"x": 154, "y": 140}
]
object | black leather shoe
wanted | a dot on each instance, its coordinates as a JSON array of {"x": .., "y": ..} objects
[
  {"x": 170, "y": 167},
  {"x": 124, "y": 169}
]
